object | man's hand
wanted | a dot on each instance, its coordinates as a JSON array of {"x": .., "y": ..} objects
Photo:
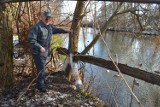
[
  {"x": 42, "y": 50},
  {"x": 70, "y": 31}
]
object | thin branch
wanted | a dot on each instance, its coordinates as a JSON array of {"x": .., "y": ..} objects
[
  {"x": 102, "y": 29},
  {"x": 137, "y": 17},
  {"x": 119, "y": 70}
]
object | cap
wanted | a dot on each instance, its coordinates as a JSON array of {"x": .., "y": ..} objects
[{"x": 47, "y": 13}]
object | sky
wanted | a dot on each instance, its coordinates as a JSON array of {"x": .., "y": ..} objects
[{"x": 69, "y": 6}]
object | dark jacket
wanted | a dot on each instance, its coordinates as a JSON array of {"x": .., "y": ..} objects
[{"x": 40, "y": 36}]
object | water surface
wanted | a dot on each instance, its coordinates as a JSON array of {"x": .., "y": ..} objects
[{"x": 126, "y": 48}]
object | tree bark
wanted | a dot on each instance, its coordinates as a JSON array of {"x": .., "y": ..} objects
[
  {"x": 133, "y": 72},
  {"x": 6, "y": 38},
  {"x": 74, "y": 36},
  {"x": 76, "y": 24}
]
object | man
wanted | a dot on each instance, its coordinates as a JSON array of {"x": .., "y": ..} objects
[{"x": 39, "y": 39}]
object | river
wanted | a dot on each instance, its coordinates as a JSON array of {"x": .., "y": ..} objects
[{"x": 126, "y": 48}]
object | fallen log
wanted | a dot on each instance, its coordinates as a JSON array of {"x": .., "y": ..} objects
[{"x": 125, "y": 69}]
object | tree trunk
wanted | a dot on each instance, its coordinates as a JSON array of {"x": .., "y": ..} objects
[
  {"x": 134, "y": 72},
  {"x": 76, "y": 24},
  {"x": 73, "y": 37},
  {"x": 6, "y": 39}
]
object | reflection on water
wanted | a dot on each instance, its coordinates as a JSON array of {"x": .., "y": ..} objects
[{"x": 143, "y": 53}]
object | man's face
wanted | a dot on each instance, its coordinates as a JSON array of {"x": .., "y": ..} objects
[{"x": 46, "y": 20}]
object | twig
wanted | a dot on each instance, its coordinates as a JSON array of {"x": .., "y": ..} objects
[
  {"x": 80, "y": 102},
  {"x": 119, "y": 69},
  {"x": 132, "y": 90},
  {"x": 19, "y": 98}
]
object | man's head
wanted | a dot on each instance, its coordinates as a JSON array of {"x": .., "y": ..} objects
[{"x": 46, "y": 17}]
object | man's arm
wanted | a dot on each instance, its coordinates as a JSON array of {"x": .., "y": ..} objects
[
  {"x": 59, "y": 30},
  {"x": 32, "y": 38}
]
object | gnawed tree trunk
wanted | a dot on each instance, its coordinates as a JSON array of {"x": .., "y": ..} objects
[
  {"x": 74, "y": 36},
  {"x": 6, "y": 44},
  {"x": 76, "y": 24},
  {"x": 133, "y": 72}
]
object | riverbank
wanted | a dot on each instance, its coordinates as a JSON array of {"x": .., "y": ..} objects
[
  {"x": 127, "y": 30},
  {"x": 61, "y": 93}
]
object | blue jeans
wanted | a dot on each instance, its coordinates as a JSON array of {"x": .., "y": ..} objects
[{"x": 40, "y": 61}]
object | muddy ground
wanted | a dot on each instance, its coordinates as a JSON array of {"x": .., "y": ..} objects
[{"x": 61, "y": 93}]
